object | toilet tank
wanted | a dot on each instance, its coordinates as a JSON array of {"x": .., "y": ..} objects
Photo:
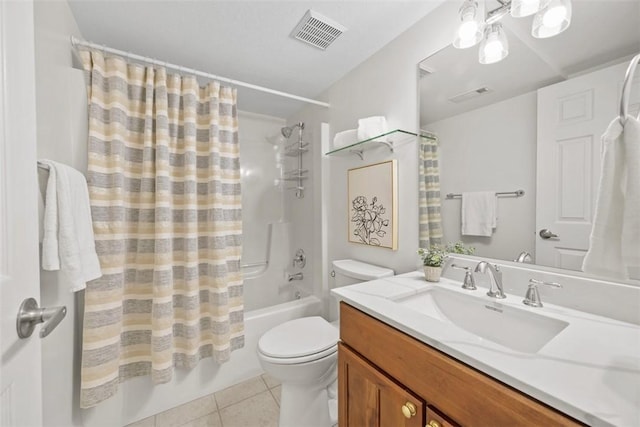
[{"x": 349, "y": 272}]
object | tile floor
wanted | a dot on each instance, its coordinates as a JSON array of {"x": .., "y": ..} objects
[{"x": 253, "y": 403}]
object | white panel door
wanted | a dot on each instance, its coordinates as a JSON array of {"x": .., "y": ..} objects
[
  {"x": 572, "y": 116},
  {"x": 20, "y": 368}
]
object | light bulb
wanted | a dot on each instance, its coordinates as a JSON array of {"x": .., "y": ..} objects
[
  {"x": 554, "y": 16},
  {"x": 492, "y": 50},
  {"x": 469, "y": 31},
  {"x": 520, "y": 8},
  {"x": 494, "y": 47},
  {"x": 553, "y": 20}
]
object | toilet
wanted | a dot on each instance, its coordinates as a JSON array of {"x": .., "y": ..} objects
[{"x": 303, "y": 354}]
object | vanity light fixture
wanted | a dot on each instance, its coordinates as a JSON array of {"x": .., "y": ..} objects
[{"x": 551, "y": 18}]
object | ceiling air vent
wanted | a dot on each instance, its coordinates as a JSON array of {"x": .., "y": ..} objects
[
  {"x": 317, "y": 30},
  {"x": 465, "y": 96}
]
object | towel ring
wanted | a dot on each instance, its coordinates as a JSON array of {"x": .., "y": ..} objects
[{"x": 626, "y": 87}]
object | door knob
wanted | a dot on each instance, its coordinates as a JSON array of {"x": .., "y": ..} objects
[
  {"x": 30, "y": 315},
  {"x": 547, "y": 234},
  {"x": 408, "y": 410}
]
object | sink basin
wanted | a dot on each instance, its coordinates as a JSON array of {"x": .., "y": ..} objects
[{"x": 517, "y": 329}]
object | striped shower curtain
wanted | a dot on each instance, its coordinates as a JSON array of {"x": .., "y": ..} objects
[
  {"x": 429, "y": 193},
  {"x": 164, "y": 183}
]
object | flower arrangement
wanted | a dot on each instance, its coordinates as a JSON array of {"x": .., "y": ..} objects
[
  {"x": 436, "y": 255},
  {"x": 460, "y": 248}
]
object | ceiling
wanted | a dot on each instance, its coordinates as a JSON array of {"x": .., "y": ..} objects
[
  {"x": 601, "y": 31},
  {"x": 250, "y": 40}
]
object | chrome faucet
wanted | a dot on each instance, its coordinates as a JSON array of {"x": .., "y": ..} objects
[
  {"x": 532, "y": 298},
  {"x": 468, "y": 283},
  {"x": 524, "y": 257},
  {"x": 495, "y": 277},
  {"x": 292, "y": 277}
]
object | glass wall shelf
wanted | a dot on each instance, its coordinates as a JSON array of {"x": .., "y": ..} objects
[{"x": 388, "y": 139}]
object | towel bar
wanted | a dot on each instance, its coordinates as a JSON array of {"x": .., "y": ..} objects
[{"x": 517, "y": 193}]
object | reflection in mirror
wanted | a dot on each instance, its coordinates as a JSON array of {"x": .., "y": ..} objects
[{"x": 531, "y": 122}]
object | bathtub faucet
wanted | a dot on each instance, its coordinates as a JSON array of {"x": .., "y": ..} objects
[{"x": 292, "y": 277}]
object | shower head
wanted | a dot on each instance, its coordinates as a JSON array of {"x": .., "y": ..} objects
[{"x": 288, "y": 130}]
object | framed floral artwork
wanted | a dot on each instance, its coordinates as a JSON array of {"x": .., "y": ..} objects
[{"x": 373, "y": 205}]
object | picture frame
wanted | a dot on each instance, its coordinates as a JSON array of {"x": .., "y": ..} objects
[{"x": 373, "y": 205}]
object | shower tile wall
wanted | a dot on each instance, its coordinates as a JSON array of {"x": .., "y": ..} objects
[{"x": 263, "y": 212}]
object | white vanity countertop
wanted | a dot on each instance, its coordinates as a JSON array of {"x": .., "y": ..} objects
[{"x": 590, "y": 370}]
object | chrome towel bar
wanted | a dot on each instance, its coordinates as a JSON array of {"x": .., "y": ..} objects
[{"x": 517, "y": 193}]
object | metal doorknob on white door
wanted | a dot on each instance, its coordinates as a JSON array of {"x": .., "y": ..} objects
[
  {"x": 30, "y": 315},
  {"x": 547, "y": 234}
]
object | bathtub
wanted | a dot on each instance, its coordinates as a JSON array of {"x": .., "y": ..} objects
[{"x": 139, "y": 398}]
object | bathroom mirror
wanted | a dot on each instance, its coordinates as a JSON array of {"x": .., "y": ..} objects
[{"x": 495, "y": 125}]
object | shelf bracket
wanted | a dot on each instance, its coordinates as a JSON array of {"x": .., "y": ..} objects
[
  {"x": 360, "y": 153},
  {"x": 388, "y": 144}
]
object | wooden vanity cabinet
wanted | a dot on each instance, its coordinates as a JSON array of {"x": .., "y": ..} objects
[
  {"x": 380, "y": 369},
  {"x": 371, "y": 398}
]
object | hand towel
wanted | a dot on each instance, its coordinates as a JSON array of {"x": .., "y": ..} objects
[
  {"x": 345, "y": 138},
  {"x": 372, "y": 126},
  {"x": 50, "y": 258},
  {"x": 479, "y": 213},
  {"x": 68, "y": 244},
  {"x": 611, "y": 252},
  {"x": 631, "y": 219}
]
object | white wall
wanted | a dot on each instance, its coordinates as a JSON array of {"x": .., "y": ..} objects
[
  {"x": 261, "y": 168},
  {"x": 62, "y": 136},
  {"x": 304, "y": 214},
  {"x": 266, "y": 235},
  {"x": 492, "y": 148},
  {"x": 386, "y": 84}
]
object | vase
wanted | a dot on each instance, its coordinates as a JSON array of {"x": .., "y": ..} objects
[{"x": 432, "y": 274}]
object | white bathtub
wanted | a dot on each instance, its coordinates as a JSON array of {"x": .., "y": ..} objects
[{"x": 141, "y": 399}]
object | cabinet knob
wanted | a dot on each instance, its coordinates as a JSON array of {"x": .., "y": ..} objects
[
  {"x": 434, "y": 423},
  {"x": 408, "y": 410}
]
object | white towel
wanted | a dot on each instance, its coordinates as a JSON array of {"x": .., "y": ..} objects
[
  {"x": 345, "y": 138},
  {"x": 68, "y": 244},
  {"x": 372, "y": 126},
  {"x": 631, "y": 220},
  {"x": 479, "y": 213},
  {"x": 614, "y": 242}
]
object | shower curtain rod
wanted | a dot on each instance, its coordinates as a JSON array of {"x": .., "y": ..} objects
[{"x": 78, "y": 42}]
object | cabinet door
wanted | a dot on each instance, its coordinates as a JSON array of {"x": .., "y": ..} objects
[{"x": 368, "y": 398}]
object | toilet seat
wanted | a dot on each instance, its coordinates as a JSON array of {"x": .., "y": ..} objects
[
  {"x": 299, "y": 341},
  {"x": 299, "y": 360}
]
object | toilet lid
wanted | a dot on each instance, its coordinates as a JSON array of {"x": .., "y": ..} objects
[{"x": 299, "y": 337}]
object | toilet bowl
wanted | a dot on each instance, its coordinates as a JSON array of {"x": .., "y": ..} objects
[{"x": 303, "y": 355}]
